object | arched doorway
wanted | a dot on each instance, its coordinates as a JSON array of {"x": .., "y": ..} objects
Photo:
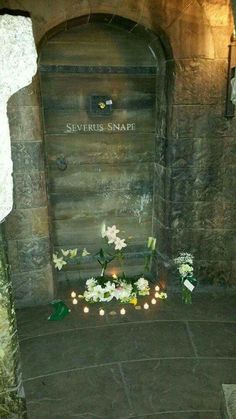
[{"x": 102, "y": 86}]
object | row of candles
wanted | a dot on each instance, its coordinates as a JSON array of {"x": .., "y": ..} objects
[{"x": 146, "y": 306}]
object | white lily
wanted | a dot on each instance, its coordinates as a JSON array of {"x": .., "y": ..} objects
[
  {"x": 85, "y": 252},
  {"x": 119, "y": 243},
  {"x": 58, "y": 262}
]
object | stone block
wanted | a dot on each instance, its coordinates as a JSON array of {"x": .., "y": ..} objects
[
  {"x": 196, "y": 215},
  {"x": 229, "y": 183},
  {"x": 27, "y": 156},
  {"x": 200, "y": 81},
  {"x": 221, "y": 37},
  {"x": 33, "y": 287},
  {"x": 197, "y": 184},
  {"x": 12, "y": 254},
  {"x": 30, "y": 190},
  {"x": 25, "y": 123},
  {"x": 27, "y": 223},
  {"x": 216, "y": 244},
  {"x": 201, "y": 121},
  {"x": 228, "y": 401},
  {"x": 33, "y": 253},
  {"x": 190, "y": 34},
  {"x": 200, "y": 152},
  {"x": 213, "y": 272}
]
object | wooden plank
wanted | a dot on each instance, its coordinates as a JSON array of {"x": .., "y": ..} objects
[
  {"x": 67, "y": 96},
  {"x": 87, "y": 232},
  {"x": 98, "y": 54},
  {"x": 97, "y": 45},
  {"x": 102, "y": 178},
  {"x": 102, "y": 148},
  {"x": 62, "y": 121},
  {"x": 119, "y": 86},
  {"x": 116, "y": 203},
  {"x": 99, "y": 32}
]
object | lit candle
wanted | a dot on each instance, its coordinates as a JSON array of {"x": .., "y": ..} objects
[
  {"x": 114, "y": 276},
  {"x": 157, "y": 295},
  {"x": 86, "y": 309},
  {"x": 154, "y": 301},
  {"x": 122, "y": 311},
  {"x": 101, "y": 312},
  {"x": 73, "y": 294},
  {"x": 157, "y": 288},
  {"x": 146, "y": 306},
  {"x": 75, "y": 301}
]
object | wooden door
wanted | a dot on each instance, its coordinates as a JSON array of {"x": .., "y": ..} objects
[{"x": 100, "y": 164}]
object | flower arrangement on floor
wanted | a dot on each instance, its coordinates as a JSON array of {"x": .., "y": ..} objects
[
  {"x": 103, "y": 288},
  {"x": 184, "y": 263}
]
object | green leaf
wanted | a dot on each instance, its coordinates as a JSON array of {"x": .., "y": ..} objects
[{"x": 60, "y": 310}]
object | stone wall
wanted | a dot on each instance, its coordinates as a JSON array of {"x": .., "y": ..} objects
[
  {"x": 11, "y": 396},
  {"x": 195, "y": 172},
  {"x": 27, "y": 227}
]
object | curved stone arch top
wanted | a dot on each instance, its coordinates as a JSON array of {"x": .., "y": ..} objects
[
  {"x": 174, "y": 22},
  {"x": 17, "y": 67}
]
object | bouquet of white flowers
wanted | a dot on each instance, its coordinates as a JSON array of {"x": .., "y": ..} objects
[
  {"x": 105, "y": 288},
  {"x": 184, "y": 263}
]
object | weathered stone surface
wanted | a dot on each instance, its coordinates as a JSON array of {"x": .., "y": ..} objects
[
  {"x": 228, "y": 406},
  {"x": 27, "y": 156},
  {"x": 34, "y": 287},
  {"x": 30, "y": 190},
  {"x": 204, "y": 121},
  {"x": 33, "y": 253},
  {"x": 10, "y": 381},
  {"x": 200, "y": 81},
  {"x": 201, "y": 152},
  {"x": 27, "y": 223},
  {"x": 197, "y": 184},
  {"x": 25, "y": 123},
  {"x": 216, "y": 244}
]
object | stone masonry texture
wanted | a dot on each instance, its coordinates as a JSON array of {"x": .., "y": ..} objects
[{"x": 195, "y": 165}]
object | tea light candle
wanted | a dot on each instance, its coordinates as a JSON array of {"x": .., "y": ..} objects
[
  {"x": 86, "y": 309},
  {"x": 157, "y": 288},
  {"x": 75, "y": 301},
  {"x": 114, "y": 276},
  {"x": 73, "y": 294},
  {"x": 157, "y": 295},
  {"x": 146, "y": 306},
  {"x": 101, "y": 312},
  {"x": 122, "y": 311},
  {"x": 154, "y": 301}
]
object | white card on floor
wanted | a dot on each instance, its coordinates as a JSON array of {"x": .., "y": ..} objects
[{"x": 188, "y": 285}]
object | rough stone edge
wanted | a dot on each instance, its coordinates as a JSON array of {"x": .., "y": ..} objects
[{"x": 228, "y": 401}]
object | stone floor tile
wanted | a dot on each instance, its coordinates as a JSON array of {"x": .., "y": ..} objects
[
  {"x": 108, "y": 344},
  {"x": 182, "y": 415},
  {"x": 33, "y": 321},
  {"x": 177, "y": 385},
  {"x": 214, "y": 339},
  {"x": 92, "y": 392}
]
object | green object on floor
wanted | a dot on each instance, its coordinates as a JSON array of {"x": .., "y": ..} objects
[{"x": 60, "y": 310}]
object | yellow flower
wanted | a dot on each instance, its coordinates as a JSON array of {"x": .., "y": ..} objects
[
  {"x": 73, "y": 253},
  {"x": 133, "y": 301},
  {"x": 65, "y": 252}
]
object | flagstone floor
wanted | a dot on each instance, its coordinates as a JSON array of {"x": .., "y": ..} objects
[{"x": 168, "y": 362}]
